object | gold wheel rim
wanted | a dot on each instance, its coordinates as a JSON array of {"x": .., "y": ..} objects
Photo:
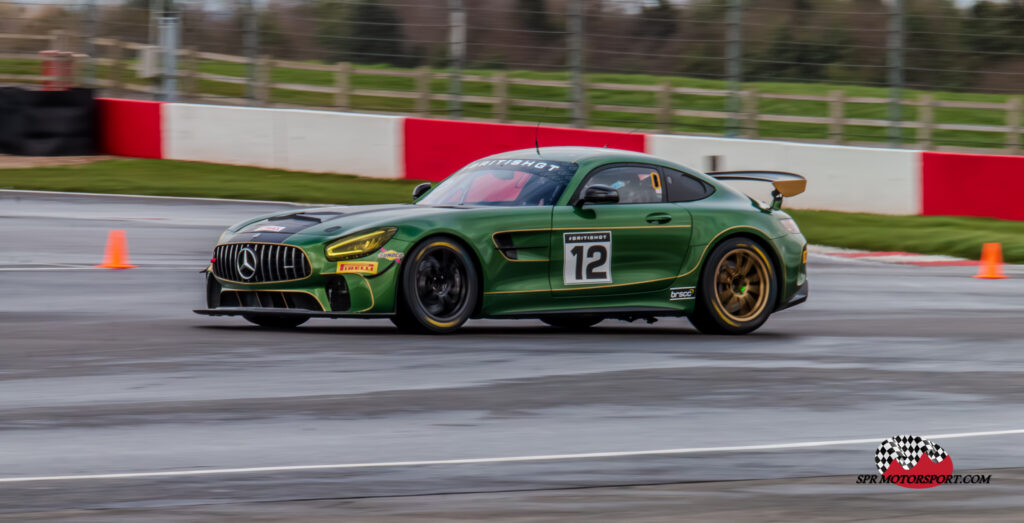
[{"x": 742, "y": 284}]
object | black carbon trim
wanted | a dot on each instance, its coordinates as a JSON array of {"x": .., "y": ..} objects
[{"x": 266, "y": 311}]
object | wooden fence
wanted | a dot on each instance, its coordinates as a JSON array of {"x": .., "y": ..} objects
[{"x": 116, "y": 58}]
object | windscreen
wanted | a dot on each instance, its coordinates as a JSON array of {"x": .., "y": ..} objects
[{"x": 511, "y": 183}]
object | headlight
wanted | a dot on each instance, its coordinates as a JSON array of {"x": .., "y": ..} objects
[
  {"x": 789, "y": 225},
  {"x": 359, "y": 245}
]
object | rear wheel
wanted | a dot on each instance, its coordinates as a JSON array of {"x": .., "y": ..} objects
[
  {"x": 276, "y": 322},
  {"x": 738, "y": 289},
  {"x": 439, "y": 288},
  {"x": 572, "y": 322}
]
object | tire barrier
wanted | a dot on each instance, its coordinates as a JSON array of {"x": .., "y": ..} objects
[{"x": 48, "y": 123}]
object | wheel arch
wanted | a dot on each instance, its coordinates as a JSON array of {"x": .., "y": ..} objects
[
  {"x": 762, "y": 241},
  {"x": 473, "y": 255}
]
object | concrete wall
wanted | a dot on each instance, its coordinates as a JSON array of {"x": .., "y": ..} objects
[
  {"x": 854, "y": 179},
  {"x": 297, "y": 140}
]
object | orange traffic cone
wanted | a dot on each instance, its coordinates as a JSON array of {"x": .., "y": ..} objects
[
  {"x": 116, "y": 255},
  {"x": 991, "y": 261}
]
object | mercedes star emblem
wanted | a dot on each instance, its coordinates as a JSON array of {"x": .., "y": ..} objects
[{"x": 246, "y": 263}]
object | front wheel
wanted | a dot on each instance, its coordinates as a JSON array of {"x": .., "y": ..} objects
[
  {"x": 439, "y": 287},
  {"x": 737, "y": 290},
  {"x": 276, "y": 322}
]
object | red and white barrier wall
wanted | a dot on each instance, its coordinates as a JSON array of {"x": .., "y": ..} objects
[{"x": 853, "y": 179}]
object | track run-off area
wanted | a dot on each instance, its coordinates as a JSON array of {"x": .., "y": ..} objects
[{"x": 117, "y": 402}]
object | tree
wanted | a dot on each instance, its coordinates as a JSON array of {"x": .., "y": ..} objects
[
  {"x": 534, "y": 15},
  {"x": 657, "y": 21},
  {"x": 360, "y": 31}
]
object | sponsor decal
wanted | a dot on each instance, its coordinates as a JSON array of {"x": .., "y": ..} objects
[
  {"x": 357, "y": 268},
  {"x": 388, "y": 254},
  {"x": 522, "y": 165},
  {"x": 917, "y": 463},
  {"x": 269, "y": 228},
  {"x": 587, "y": 257},
  {"x": 682, "y": 293}
]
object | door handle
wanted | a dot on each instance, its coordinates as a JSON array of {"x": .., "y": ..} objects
[{"x": 659, "y": 217}]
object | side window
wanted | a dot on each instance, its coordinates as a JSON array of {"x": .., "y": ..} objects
[
  {"x": 635, "y": 183},
  {"x": 682, "y": 187}
]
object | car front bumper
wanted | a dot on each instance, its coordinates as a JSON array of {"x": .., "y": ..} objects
[{"x": 798, "y": 297}]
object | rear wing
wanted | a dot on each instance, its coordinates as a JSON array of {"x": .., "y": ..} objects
[{"x": 785, "y": 184}]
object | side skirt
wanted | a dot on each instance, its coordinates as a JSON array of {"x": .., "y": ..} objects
[
  {"x": 626, "y": 313},
  {"x": 267, "y": 311}
]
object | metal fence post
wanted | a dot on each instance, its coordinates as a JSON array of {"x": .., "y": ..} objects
[
  {"x": 1013, "y": 117},
  {"x": 734, "y": 63},
  {"x": 262, "y": 90},
  {"x": 156, "y": 8},
  {"x": 191, "y": 70},
  {"x": 169, "y": 49},
  {"x": 837, "y": 113},
  {"x": 750, "y": 127},
  {"x": 457, "y": 43},
  {"x": 424, "y": 76},
  {"x": 117, "y": 67},
  {"x": 577, "y": 90},
  {"x": 500, "y": 92},
  {"x": 251, "y": 43},
  {"x": 89, "y": 45},
  {"x": 665, "y": 111},
  {"x": 926, "y": 116},
  {"x": 343, "y": 83},
  {"x": 894, "y": 62}
]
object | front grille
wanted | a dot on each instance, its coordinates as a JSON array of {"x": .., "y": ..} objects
[{"x": 259, "y": 262}]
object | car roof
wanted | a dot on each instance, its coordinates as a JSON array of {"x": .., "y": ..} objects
[{"x": 575, "y": 155}]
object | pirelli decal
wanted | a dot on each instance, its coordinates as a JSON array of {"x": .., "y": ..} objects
[{"x": 357, "y": 268}]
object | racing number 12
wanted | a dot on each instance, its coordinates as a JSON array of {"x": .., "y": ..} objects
[
  {"x": 596, "y": 256},
  {"x": 587, "y": 257}
]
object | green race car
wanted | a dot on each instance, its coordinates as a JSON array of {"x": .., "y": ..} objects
[{"x": 567, "y": 235}]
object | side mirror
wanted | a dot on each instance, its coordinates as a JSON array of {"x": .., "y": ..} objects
[
  {"x": 597, "y": 194},
  {"x": 420, "y": 190}
]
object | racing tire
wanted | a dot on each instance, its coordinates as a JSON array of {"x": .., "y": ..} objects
[
  {"x": 439, "y": 287},
  {"x": 406, "y": 323},
  {"x": 738, "y": 289},
  {"x": 276, "y": 322},
  {"x": 572, "y": 323}
]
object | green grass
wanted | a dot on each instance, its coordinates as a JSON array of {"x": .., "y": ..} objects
[
  {"x": 923, "y": 234},
  {"x": 525, "y": 112},
  {"x": 172, "y": 178},
  {"x": 953, "y": 236}
]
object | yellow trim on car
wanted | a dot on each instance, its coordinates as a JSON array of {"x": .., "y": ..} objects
[
  {"x": 687, "y": 273},
  {"x": 373, "y": 302}
]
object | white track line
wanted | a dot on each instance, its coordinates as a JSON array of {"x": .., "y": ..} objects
[
  {"x": 140, "y": 267},
  {"x": 20, "y": 269},
  {"x": 152, "y": 197},
  {"x": 509, "y": 459}
]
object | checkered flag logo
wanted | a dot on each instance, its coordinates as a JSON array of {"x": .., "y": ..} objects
[{"x": 907, "y": 451}]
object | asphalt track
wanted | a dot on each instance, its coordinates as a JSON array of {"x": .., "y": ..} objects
[{"x": 118, "y": 403}]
